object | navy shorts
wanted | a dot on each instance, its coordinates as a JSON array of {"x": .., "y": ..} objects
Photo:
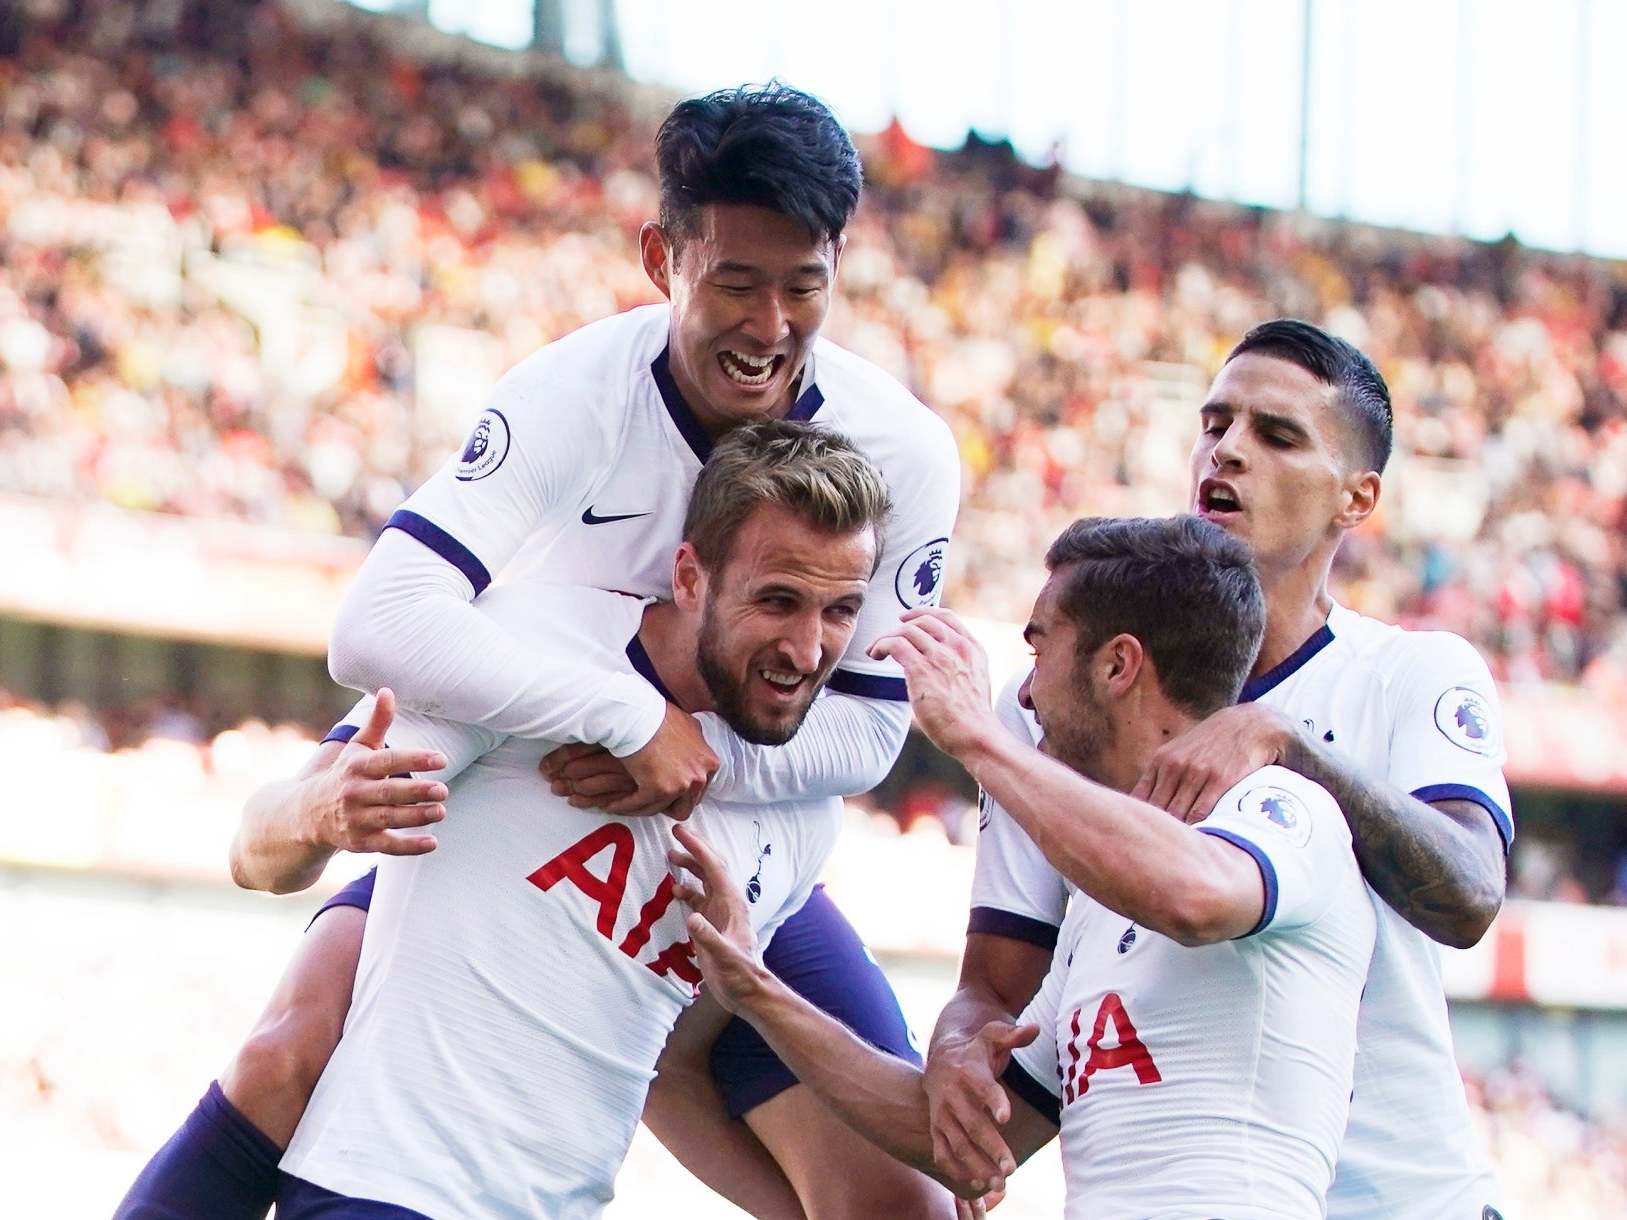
[
  {"x": 818, "y": 955},
  {"x": 298, "y": 1199}
]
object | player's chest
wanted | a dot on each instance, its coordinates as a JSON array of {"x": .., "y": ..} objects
[
  {"x": 622, "y": 533},
  {"x": 1340, "y": 707},
  {"x": 1133, "y": 1007}
]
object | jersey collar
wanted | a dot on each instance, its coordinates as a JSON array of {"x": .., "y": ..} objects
[
  {"x": 1292, "y": 664},
  {"x": 646, "y": 668},
  {"x": 689, "y": 427}
]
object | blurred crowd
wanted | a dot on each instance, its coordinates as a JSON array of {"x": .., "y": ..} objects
[{"x": 252, "y": 271}]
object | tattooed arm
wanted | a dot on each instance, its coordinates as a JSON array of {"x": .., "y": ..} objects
[{"x": 1440, "y": 864}]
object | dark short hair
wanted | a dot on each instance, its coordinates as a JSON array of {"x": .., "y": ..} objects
[
  {"x": 814, "y": 472},
  {"x": 1363, "y": 396},
  {"x": 767, "y": 145},
  {"x": 1183, "y": 587}
]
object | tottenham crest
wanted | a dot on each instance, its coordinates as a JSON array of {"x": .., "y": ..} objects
[
  {"x": 919, "y": 579},
  {"x": 487, "y": 447},
  {"x": 1282, "y": 809},
  {"x": 1465, "y": 718}
]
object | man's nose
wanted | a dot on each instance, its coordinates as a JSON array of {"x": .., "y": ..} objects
[
  {"x": 1024, "y": 695},
  {"x": 803, "y": 643},
  {"x": 766, "y": 323}
]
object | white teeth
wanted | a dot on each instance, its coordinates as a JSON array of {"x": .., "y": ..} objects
[
  {"x": 747, "y": 370},
  {"x": 778, "y": 678}
]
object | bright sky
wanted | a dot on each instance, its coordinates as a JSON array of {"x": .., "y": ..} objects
[{"x": 1471, "y": 116}]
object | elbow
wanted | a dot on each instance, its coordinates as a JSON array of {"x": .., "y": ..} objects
[
  {"x": 354, "y": 653},
  {"x": 1472, "y": 917},
  {"x": 1201, "y": 913}
]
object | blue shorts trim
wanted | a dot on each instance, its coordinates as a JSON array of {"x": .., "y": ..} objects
[
  {"x": 1431, "y": 793},
  {"x": 298, "y": 1199},
  {"x": 818, "y": 955},
  {"x": 357, "y": 893}
]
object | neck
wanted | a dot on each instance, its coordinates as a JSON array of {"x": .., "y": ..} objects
[
  {"x": 1297, "y": 604},
  {"x": 671, "y": 639},
  {"x": 1134, "y": 743}
]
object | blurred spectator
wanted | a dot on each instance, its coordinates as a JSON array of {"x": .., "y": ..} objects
[{"x": 249, "y": 272}]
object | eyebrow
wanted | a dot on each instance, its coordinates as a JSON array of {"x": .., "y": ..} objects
[
  {"x": 735, "y": 267},
  {"x": 1264, "y": 419}
]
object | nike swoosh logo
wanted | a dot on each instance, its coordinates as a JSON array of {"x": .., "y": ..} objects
[{"x": 589, "y": 517}]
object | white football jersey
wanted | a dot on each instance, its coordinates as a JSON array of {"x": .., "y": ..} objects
[
  {"x": 517, "y": 985},
  {"x": 580, "y": 471},
  {"x": 1419, "y": 710},
  {"x": 1211, "y": 1081}
]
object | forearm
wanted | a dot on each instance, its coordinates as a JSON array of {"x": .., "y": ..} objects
[
  {"x": 407, "y": 623},
  {"x": 686, "y": 1113},
  {"x": 1438, "y": 874},
  {"x": 879, "y": 1096},
  {"x": 271, "y": 850},
  {"x": 1128, "y": 856},
  {"x": 846, "y": 746}
]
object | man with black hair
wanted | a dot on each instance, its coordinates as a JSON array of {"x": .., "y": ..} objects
[
  {"x": 579, "y": 470},
  {"x": 1195, "y": 1033},
  {"x": 1402, "y": 727}
]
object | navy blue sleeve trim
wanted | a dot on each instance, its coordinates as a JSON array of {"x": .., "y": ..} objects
[
  {"x": 994, "y": 922},
  {"x": 342, "y": 732},
  {"x": 869, "y": 686},
  {"x": 1268, "y": 874},
  {"x": 1046, "y": 1103},
  {"x": 1430, "y": 793},
  {"x": 443, "y": 544}
]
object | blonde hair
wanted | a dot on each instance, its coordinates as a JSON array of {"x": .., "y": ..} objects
[{"x": 813, "y": 472}]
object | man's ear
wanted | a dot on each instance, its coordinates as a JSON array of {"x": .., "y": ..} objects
[
  {"x": 1361, "y": 499},
  {"x": 655, "y": 250},
  {"x": 1122, "y": 659},
  {"x": 688, "y": 579}
]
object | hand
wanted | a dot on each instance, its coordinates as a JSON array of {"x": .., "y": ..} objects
[
  {"x": 667, "y": 776},
  {"x": 947, "y": 674},
  {"x": 719, "y": 925},
  {"x": 966, "y": 1105},
  {"x": 1188, "y": 775},
  {"x": 976, "y": 1209},
  {"x": 586, "y": 776},
  {"x": 355, "y": 804}
]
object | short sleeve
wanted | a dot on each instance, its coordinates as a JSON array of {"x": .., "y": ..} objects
[
  {"x": 538, "y": 447},
  {"x": 461, "y": 743},
  {"x": 1446, "y": 732},
  {"x": 1034, "y": 1073},
  {"x": 1015, "y": 891},
  {"x": 925, "y": 487},
  {"x": 1297, "y": 836}
]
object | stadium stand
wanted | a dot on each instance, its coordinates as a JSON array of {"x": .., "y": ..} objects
[
  {"x": 269, "y": 285},
  {"x": 256, "y": 273}
]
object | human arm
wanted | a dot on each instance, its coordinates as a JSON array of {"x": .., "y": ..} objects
[
  {"x": 1431, "y": 836},
  {"x": 354, "y": 794},
  {"x": 1193, "y": 887},
  {"x": 879, "y": 1096},
  {"x": 534, "y": 459},
  {"x": 686, "y": 1113}
]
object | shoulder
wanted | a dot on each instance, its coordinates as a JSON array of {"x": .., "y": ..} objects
[
  {"x": 1396, "y": 652},
  {"x": 1281, "y": 804},
  {"x": 877, "y": 410},
  {"x": 585, "y": 378}
]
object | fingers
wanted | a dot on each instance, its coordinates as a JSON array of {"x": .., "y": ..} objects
[
  {"x": 383, "y": 763},
  {"x": 897, "y": 647},
  {"x": 373, "y": 733},
  {"x": 591, "y": 765},
  {"x": 562, "y": 755},
  {"x": 703, "y": 861},
  {"x": 636, "y": 805},
  {"x": 612, "y": 786},
  {"x": 387, "y": 844}
]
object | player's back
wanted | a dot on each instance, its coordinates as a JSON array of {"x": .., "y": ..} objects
[
  {"x": 1417, "y": 710},
  {"x": 517, "y": 984},
  {"x": 1215, "y": 1080}
]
